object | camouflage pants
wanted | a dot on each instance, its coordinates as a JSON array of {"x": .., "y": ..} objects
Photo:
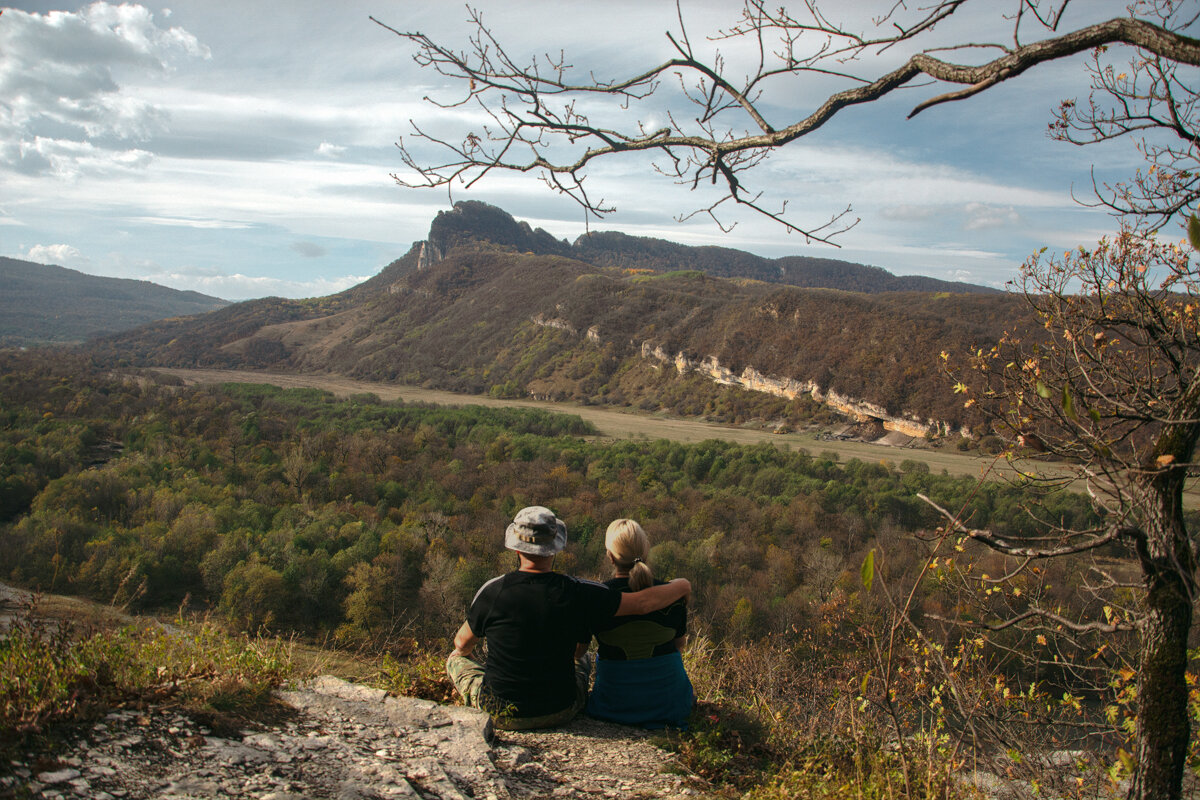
[{"x": 467, "y": 676}]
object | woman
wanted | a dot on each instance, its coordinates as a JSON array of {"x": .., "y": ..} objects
[{"x": 640, "y": 678}]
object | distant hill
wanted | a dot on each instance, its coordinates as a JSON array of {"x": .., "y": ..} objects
[
  {"x": 473, "y": 221},
  {"x": 41, "y": 304},
  {"x": 527, "y": 315}
]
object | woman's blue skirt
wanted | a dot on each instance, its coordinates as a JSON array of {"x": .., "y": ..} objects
[{"x": 651, "y": 692}]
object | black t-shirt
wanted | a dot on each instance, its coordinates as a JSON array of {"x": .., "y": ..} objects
[
  {"x": 642, "y": 636},
  {"x": 532, "y": 621}
]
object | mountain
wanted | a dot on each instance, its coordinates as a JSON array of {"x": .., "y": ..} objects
[
  {"x": 489, "y": 304},
  {"x": 473, "y": 221},
  {"x": 42, "y": 303}
]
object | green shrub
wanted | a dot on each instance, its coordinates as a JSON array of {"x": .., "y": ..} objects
[
  {"x": 48, "y": 675},
  {"x": 420, "y": 673}
]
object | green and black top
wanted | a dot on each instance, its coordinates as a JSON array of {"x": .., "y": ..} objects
[{"x": 644, "y": 636}]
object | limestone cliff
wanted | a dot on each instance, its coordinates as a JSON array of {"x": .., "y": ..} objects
[{"x": 753, "y": 380}]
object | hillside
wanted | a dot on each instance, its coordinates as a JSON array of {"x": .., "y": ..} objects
[
  {"x": 42, "y": 303},
  {"x": 522, "y": 313},
  {"x": 371, "y": 524}
]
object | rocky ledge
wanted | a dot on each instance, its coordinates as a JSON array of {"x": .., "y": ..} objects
[{"x": 349, "y": 742}]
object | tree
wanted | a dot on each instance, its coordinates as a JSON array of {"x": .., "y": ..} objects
[
  {"x": 1110, "y": 384},
  {"x": 536, "y": 123},
  {"x": 254, "y": 595}
]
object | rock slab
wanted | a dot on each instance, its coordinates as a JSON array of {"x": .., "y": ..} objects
[{"x": 345, "y": 741}]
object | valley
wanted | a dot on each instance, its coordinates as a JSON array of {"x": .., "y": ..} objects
[
  {"x": 640, "y": 426},
  {"x": 618, "y": 425}
]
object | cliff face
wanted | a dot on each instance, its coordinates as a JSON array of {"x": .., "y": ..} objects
[
  {"x": 790, "y": 388},
  {"x": 751, "y": 379}
]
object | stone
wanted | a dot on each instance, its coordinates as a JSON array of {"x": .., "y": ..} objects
[{"x": 58, "y": 776}]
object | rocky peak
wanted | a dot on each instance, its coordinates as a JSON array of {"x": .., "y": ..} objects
[{"x": 473, "y": 221}]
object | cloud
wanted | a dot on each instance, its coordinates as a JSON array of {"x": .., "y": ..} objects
[
  {"x": 70, "y": 159},
  {"x": 981, "y": 217},
  {"x": 58, "y": 254},
  {"x": 309, "y": 249},
  {"x": 330, "y": 150},
  {"x": 59, "y": 89},
  {"x": 236, "y": 286},
  {"x": 215, "y": 281},
  {"x": 190, "y": 222}
]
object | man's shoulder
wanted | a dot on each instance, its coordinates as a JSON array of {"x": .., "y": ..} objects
[
  {"x": 560, "y": 578},
  {"x": 490, "y": 587},
  {"x": 588, "y": 582},
  {"x": 540, "y": 581}
]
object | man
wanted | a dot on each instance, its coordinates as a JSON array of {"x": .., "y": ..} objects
[{"x": 533, "y": 618}]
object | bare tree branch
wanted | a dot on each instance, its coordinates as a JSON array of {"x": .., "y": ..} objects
[
  {"x": 1000, "y": 544},
  {"x": 529, "y": 132}
]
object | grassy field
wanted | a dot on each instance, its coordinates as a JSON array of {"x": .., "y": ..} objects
[{"x": 618, "y": 424}]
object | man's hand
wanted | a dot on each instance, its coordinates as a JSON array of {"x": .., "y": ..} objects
[
  {"x": 464, "y": 641},
  {"x": 654, "y": 598}
]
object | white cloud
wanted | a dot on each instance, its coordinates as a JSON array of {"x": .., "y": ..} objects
[
  {"x": 217, "y": 282},
  {"x": 217, "y": 193},
  {"x": 69, "y": 159},
  {"x": 58, "y": 254},
  {"x": 189, "y": 222},
  {"x": 59, "y": 89},
  {"x": 330, "y": 150},
  {"x": 236, "y": 286},
  {"x": 963, "y": 275},
  {"x": 981, "y": 216}
]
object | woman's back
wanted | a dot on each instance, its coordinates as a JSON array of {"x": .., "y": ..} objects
[
  {"x": 642, "y": 636},
  {"x": 640, "y": 677}
]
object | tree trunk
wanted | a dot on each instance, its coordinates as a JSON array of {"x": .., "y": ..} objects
[{"x": 1163, "y": 726}]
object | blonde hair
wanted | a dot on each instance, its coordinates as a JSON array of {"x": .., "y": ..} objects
[{"x": 629, "y": 546}]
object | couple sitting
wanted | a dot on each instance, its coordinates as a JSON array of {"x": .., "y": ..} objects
[{"x": 538, "y": 624}]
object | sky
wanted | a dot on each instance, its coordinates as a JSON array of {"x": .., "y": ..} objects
[{"x": 246, "y": 149}]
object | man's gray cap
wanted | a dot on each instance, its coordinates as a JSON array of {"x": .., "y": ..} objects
[{"x": 535, "y": 531}]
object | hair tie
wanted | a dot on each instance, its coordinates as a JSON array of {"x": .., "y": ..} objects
[{"x": 638, "y": 561}]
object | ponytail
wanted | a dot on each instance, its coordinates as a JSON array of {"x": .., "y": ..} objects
[
  {"x": 640, "y": 576},
  {"x": 629, "y": 546}
]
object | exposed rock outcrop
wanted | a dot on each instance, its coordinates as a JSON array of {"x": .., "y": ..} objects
[
  {"x": 559, "y": 324},
  {"x": 429, "y": 255},
  {"x": 790, "y": 388},
  {"x": 472, "y": 221},
  {"x": 755, "y": 381},
  {"x": 345, "y": 741}
]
